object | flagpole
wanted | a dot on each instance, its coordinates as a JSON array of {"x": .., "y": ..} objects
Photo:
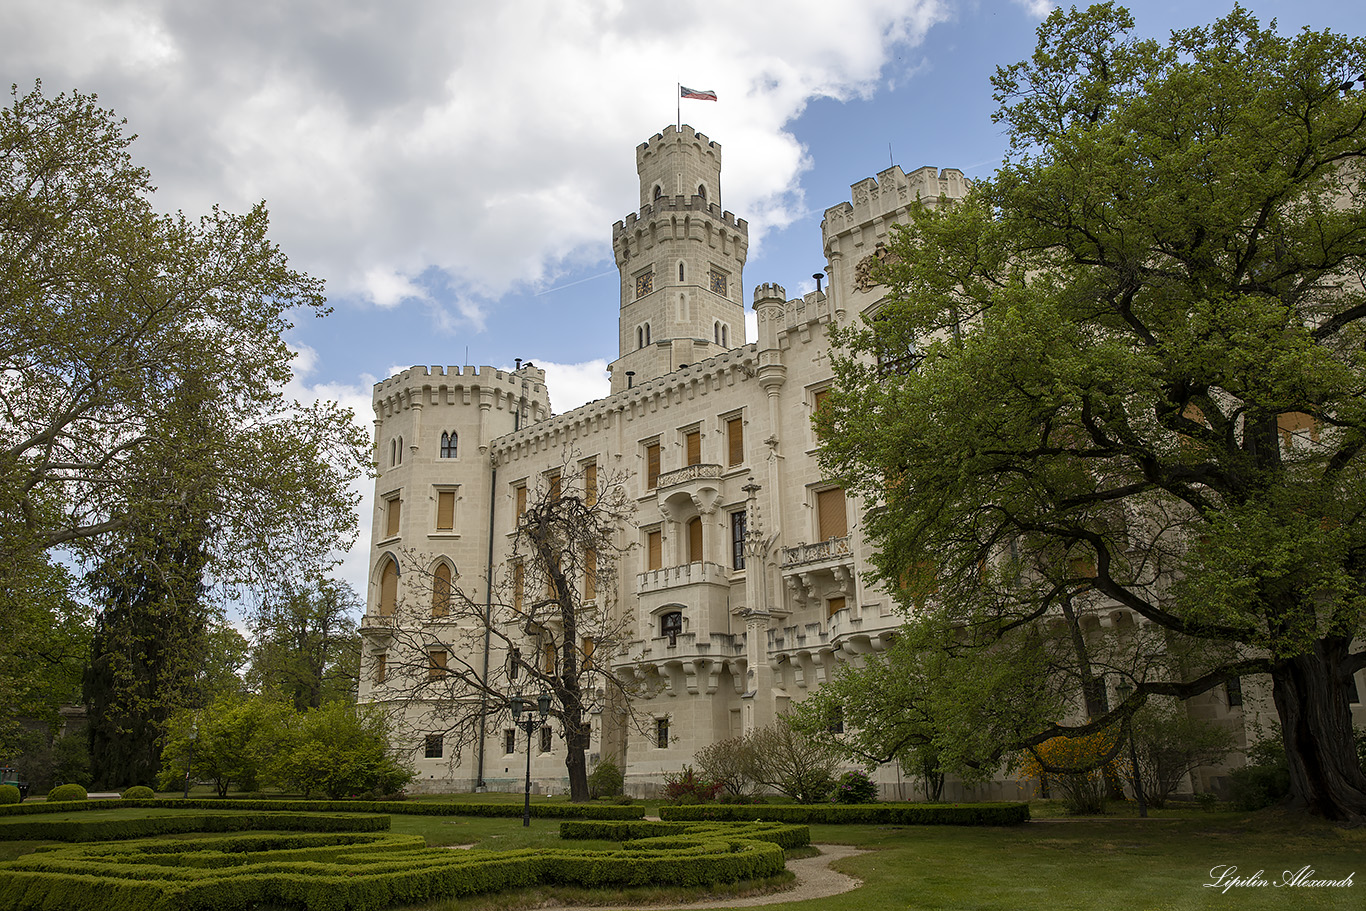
[{"x": 678, "y": 103}]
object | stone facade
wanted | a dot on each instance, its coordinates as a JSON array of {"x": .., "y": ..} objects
[{"x": 728, "y": 631}]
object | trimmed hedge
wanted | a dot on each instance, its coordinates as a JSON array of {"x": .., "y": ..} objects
[
  {"x": 393, "y": 807},
  {"x": 65, "y": 792},
  {"x": 139, "y": 792},
  {"x": 363, "y": 872},
  {"x": 9, "y": 794},
  {"x": 968, "y": 814},
  {"x": 783, "y": 835},
  {"x": 148, "y": 826}
]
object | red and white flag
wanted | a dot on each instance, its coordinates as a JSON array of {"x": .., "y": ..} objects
[{"x": 696, "y": 94}]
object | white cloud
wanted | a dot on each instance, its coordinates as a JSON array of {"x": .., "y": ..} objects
[
  {"x": 482, "y": 145},
  {"x": 572, "y": 385},
  {"x": 1037, "y": 8}
]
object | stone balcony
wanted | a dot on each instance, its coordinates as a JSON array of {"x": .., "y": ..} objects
[
  {"x": 822, "y": 553},
  {"x": 694, "y": 486},
  {"x": 671, "y": 577}
]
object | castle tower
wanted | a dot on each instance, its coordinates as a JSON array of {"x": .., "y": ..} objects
[{"x": 681, "y": 260}]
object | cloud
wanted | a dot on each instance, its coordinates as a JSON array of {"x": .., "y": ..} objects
[
  {"x": 1037, "y": 8},
  {"x": 478, "y": 147},
  {"x": 572, "y": 385}
]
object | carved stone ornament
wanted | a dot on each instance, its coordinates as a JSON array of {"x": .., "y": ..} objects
[{"x": 863, "y": 269}]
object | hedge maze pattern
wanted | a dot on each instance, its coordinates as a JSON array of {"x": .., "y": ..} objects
[{"x": 358, "y": 871}]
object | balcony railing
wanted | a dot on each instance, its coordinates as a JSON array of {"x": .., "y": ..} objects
[
  {"x": 702, "y": 472},
  {"x": 831, "y": 549},
  {"x": 677, "y": 576}
]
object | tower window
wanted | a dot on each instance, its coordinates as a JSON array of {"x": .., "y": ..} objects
[
  {"x": 662, "y": 733},
  {"x": 702, "y": 190},
  {"x": 659, "y": 191},
  {"x": 441, "y": 590},
  {"x": 737, "y": 539},
  {"x": 448, "y": 442},
  {"x": 716, "y": 332},
  {"x": 725, "y": 341},
  {"x": 680, "y": 272},
  {"x": 388, "y": 588},
  {"x": 647, "y": 333},
  {"x": 671, "y": 625},
  {"x": 640, "y": 336},
  {"x": 445, "y": 510}
]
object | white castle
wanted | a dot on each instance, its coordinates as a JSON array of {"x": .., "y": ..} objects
[{"x": 712, "y": 433}]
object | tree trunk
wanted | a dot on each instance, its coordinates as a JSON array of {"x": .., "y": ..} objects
[{"x": 1316, "y": 723}]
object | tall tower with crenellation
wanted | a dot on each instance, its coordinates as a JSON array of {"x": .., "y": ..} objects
[{"x": 681, "y": 259}]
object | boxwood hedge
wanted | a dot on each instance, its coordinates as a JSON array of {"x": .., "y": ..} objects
[
  {"x": 324, "y": 872},
  {"x": 912, "y": 814},
  {"x": 783, "y": 835},
  {"x": 143, "y": 827},
  {"x": 541, "y": 811}
]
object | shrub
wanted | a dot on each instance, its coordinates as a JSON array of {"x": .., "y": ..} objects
[
  {"x": 139, "y": 792},
  {"x": 687, "y": 787},
  {"x": 1170, "y": 744},
  {"x": 730, "y": 763},
  {"x": 855, "y": 787},
  {"x": 789, "y": 761},
  {"x": 1088, "y": 764},
  {"x": 67, "y": 792},
  {"x": 9, "y": 794},
  {"x": 607, "y": 780},
  {"x": 914, "y": 814},
  {"x": 1265, "y": 779}
]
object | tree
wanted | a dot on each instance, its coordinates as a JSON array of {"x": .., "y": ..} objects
[
  {"x": 546, "y": 624},
  {"x": 787, "y": 760},
  {"x": 340, "y": 750},
  {"x": 233, "y": 740},
  {"x": 306, "y": 647},
  {"x": 112, "y": 313},
  {"x": 1154, "y": 313},
  {"x": 1170, "y": 744},
  {"x": 728, "y": 763}
]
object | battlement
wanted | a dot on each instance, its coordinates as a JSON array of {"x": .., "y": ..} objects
[
  {"x": 666, "y": 204},
  {"x": 528, "y": 378},
  {"x": 891, "y": 192},
  {"x": 674, "y": 134},
  {"x": 769, "y": 291}
]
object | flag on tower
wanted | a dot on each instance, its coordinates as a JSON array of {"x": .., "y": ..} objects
[{"x": 696, "y": 94}]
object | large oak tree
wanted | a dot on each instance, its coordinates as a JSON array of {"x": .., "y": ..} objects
[{"x": 1139, "y": 385}]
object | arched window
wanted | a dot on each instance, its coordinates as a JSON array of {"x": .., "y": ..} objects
[
  {"x": 680, "y": 272},
  {"x": 702, "y": 190},
  {"x": 640, "y": 336},
  {"x": 393, "y": 453},
  {"x": 448, "y": 445},
  {"x": 695, "y": 540},
  {"x": 716, "y": 332},
  {"x": 400, "y": 450},
  {"x": 670, "y": 625},
  {"x": 725, "y": 341},
  {"x": 647, "y": 333},
  {"x": 659, "y": 191},
  {"x": 441, "y": 590},
  {"x": 388, "y": 588}
]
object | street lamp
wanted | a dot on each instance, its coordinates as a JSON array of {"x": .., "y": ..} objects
[
  {"x": 530, "y": 724},
  {"x": 189, "y": 763},
  {"x": 1124, "y": 690}
]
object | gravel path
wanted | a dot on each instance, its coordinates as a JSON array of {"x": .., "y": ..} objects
[{"x": 815, "y": 879}]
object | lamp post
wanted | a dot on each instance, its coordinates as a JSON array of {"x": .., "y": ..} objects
[
  {"x": 530, "y": 724},
  {"x": 189, "y": 763},
  {"x": 1124, "y": 690}
]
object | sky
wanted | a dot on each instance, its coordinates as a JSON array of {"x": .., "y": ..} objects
[{"x": 452, "y": 168}]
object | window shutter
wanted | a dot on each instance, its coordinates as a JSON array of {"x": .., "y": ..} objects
[
  {"x": 394, "y": 512},
  {"x": 445, "y": 510},
  {"x": 388, "y": 589},
  {"x": 835, "y": 604},
  {"x": 818, "y": 401},
  {"x": 694, "y": 448},
  {"x": 735, "y": 438},
  {"x": 441, "y": 590},
  {"x": 521, "y": 501},
  {"x": 655, "y": 549},
  {"x": 590, "y": 483},
  {"x": 590, "y": 574},
  {"x": 437, "y": 669},
  {"x": 381, "y": 660},
  {"x": 554, "y": 483},
  {"x": 695, "y": 540},
  {"x": 652, "y": 466},
  {"x": 831, "y": 516},
  {"x": 518, "y": 585}
]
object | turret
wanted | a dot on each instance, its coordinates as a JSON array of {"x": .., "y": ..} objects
[{"x": 681, "y": 259}]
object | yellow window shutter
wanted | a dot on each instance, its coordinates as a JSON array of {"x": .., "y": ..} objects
[
  {"x": 694, "y": 440},
  {"x": 393, "y": 512},
  {"x": 441, "y": 590},
  {"x": 818, "y": 402},
  {"x": 835, "y": 604},
  {"x": 735, "y": 439},
  {"x": 381, "y": 660},
  {"x": 695, "y": 540},
  {"x": 652, "y": 466},
  {"x": 590, "y": 574},
  {"x": 831, "y": 514},
  {"x": 655, "y": 550},
  {"x": 388, "y": 589},
  {"x": 437, "y": 669},
  {"x": 445, "y": 510},
  {"x": 521, "y": 501}
]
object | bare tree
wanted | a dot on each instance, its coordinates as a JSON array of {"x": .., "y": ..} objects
[{"x": 548, "y": 618}]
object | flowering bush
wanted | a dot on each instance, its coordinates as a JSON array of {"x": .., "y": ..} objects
[
  {"x": 854, "y": 787},
  {"x": 1086, "y": 783},
  {"x": 688, "y": 787}
]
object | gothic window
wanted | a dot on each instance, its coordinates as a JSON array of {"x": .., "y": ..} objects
[
  {"x": 716, "y": 332},
  {"x": 509, "y": 740},
  {"x": 388, "y": 588},
  {"x": 441, "y": 590},
  {"x": 725, "y": 336},
  {"x": 680, "y": 272},
  {"x": 640, "y": 337},
  {"x": 737, "y": 539},
  {"x": 393, "y": 453},
  {"x": 647, "y": 333},
  {"x": 545, "y": 740},
  {"x": 433, "y": 746},
  {"x": 400, "y": 450},
  {"x": 662, "y": 733},
  {"x": 448, "y": 445},
  {"x": 702, "y": 190},
  {"x": 670, "y": 625},
  {"x": 659, "y": 191}
]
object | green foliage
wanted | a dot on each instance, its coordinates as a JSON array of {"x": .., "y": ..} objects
[
  {"x": 787, "y": 759},
  {"x": 407, "y": 808},
  {"x": 178, "y": 824},
  {"x": 340, "y": 750},
  {"x": 139, "y": 792},
  {"x": 914, "y": 814},
  {"x": 606, "y": 780},
  {"x": 730, "y": 763},
  {"x": 687, "y": 787},
  {"x": 1138, "y": 373},
  {"x": 854, "y": 787},
  {"x": 67, "y": 792},
  {"x": 234, "y": 740},
  {"x": 1171, "y": 744},
  {"x": 306, "y": 649},
  {"x": 784, "y": 835},
  {"x": 9, "y": 794},
  {"x": 1265, "y": 780}
]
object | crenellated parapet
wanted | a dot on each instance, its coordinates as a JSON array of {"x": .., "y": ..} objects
[
  {"x": 678, "y": 218},
  {"x": 889, "y": 194},
  {"x": 420, "y": 385}
]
